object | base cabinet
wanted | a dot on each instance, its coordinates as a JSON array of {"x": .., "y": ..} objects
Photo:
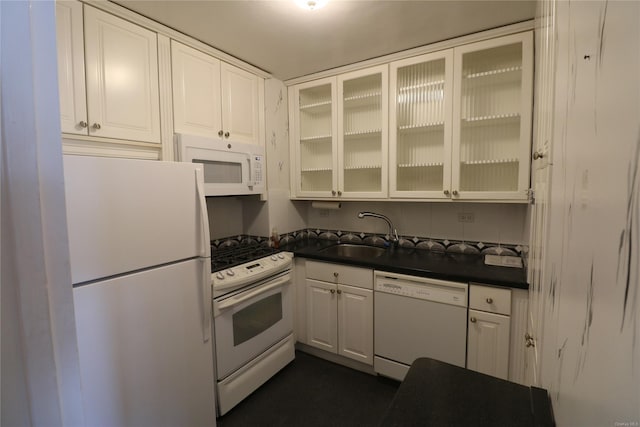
[
  {"x": 489, "y": 330},
  {"x": 488, "y": 343},
  {"x": 339, "y": 316}
]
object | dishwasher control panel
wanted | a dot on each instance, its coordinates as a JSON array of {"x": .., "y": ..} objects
[{"x": 442, "y": 291}]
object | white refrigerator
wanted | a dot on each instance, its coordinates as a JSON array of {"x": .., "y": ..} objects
[{"x": 141, "y": 273}]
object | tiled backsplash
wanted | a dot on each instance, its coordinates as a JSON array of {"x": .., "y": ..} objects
[{"x": 441, "y": 245}]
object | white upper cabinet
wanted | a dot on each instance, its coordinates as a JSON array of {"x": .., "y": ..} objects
[
  {"x": 212, "y": 98},
  {"x": 420, "y": 123},
  {"x": 71, "y": 79},
  {"x": 196, "y": 91},
  {"x": 362, "y": 133},
  {"x": 314, "y": 135},
  {"x": 339, "y": 136},
  {"x": 241, "y": 104},
  {"x": 121, "y": 77},
  {"x": 492, "y": 118}
]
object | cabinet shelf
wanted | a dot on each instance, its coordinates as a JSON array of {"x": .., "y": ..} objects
[
  {"x": 420, "y": 127},
  {"x": 316, "y": 106},
  {"x": 365, "y": 97},
  {"x": 478, "y": 120},
  {"x": 489, "y": 162},
  {"x": 362, "y": 167},
  {"x": 316, "y": 170},
  {"x": 420, "y": 165},
  {"x": 424, "y": 85},
  {"x": 317, "y": 138},
  {"x": 494, "y": 72},
  {"x": 362, "y": 133}
]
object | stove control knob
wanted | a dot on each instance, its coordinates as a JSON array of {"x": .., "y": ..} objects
[
  {"x": 274, "y": 258},
  {"x": 220, "y": 276},
  {"x": 281, "y": 255},
  {"x": 230, "y": 272}
]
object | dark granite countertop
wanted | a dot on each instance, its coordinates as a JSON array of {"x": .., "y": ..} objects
[
  {"x": 438, "y": 394},
  {"x": 420, "y": 262}
]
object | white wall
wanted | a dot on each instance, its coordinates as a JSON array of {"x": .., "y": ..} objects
[{"x": 591, "y": 340}]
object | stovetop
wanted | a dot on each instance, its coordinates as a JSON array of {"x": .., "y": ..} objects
[{"x": 231, "y": 256}]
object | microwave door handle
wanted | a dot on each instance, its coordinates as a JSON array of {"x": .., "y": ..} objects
[{"x": 250, "y": 182}]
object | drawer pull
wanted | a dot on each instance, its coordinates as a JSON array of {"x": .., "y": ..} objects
[{"x": 489, "y": 300}]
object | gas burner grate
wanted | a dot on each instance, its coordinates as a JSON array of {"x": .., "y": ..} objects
[{"x": 230, "y": 256}]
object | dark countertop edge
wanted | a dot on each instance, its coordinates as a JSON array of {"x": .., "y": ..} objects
[{"x": 310, "y": 251}]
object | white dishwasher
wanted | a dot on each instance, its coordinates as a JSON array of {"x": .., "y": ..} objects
[{"x": 418, "y": 317}]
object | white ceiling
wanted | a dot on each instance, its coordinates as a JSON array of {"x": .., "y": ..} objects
[{"x": 287, "y": 41}]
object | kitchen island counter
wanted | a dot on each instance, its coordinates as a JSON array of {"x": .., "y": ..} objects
[{"x": 419, "y": 262}]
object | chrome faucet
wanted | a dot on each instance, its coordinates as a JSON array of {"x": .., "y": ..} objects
[{"x": 393, "y": 233}]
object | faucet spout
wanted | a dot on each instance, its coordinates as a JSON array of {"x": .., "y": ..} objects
[{"x": 393, "y": 233}]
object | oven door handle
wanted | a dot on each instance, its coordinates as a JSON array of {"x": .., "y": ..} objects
[{"x": 235, "y": 300}]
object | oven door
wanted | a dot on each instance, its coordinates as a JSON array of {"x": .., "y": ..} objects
[{"x": 250, "y": 321}]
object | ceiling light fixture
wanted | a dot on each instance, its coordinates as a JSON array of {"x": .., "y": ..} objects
[{"x": 311, "y": 4}]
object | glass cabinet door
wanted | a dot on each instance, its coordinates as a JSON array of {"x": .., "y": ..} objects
[
  {"x": 420, "y": 137},
  {"x": 315, "y": 138},
  {"x": 492, "y": 118},
  {"x": 362, "y": 143}
]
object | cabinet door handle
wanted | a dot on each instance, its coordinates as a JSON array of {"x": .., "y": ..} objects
[
  {"x": 335, "y": 274},
  {"x": 226, "y": 134},
  {"x": 489, "y": 300},
  {"x": 454, "y": 192},
  {"x": 538, "y": 155},
  {"x": 339, "y": 193},
  {"x": 333, "y": 192},
  {"x": 472, "y": 319},
  {"x": 339, "y": 291},
  {"x": 220, "y": 132},
  {"x": 83, "y": 124},
  {"x": 446, "y": 192},
  {"x": 96, "y": 126},
  {"x": 333, "y": 291}
]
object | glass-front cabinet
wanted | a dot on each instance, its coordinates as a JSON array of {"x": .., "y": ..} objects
[
  {"x": 315, "y": 138},
  {"x": 420, "y": 140},
  {"x": 339, "y": 136},
  {"x": 362, "y": 139},
  {"x": 492, "y": 118},
  {"x": 452, "y": 124}
]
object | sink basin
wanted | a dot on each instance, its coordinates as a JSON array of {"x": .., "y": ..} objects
[{"x": 353, "y": 251}]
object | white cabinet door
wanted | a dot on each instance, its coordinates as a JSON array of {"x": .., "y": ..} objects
[
  {"x": 240, "y": 105},
  {"x": 71, "y": 79},
  {"x": 420, "y": 126},
  {"x": 488, "y": 343},
  {"x": 313, "y": 115},
  {"x": 355, "y": 323},
  {"x": 196, "y": 92},
  {"x": 492, "y": 118},
  {"x": 321, "y": 315},
  {"x": 122, "y": 78},
  {"x": 362, "y": 133}
]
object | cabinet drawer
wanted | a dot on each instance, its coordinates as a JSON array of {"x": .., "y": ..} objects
[
  {"x": 338, "y": 273},
  {"x": 487, "y": 298}
]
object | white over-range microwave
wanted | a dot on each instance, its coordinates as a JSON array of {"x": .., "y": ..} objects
[{"x": 230, "y": 168}]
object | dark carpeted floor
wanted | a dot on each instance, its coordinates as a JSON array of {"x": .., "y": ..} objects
[{"x": 314, "y": 392}]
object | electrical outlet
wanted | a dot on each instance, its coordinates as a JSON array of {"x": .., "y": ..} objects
[{"x": 466, "y": 217}]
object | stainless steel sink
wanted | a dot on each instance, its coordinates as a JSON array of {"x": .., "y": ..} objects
[{"x": 353, "y": 251}]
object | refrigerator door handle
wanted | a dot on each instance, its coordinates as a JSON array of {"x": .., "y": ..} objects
[
  {"x": 205, "y": 248},
  {"x": 206, "y": 299}
]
